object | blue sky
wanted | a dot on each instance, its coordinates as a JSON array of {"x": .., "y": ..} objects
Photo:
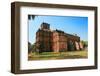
[{"x": 68, "y": 24}]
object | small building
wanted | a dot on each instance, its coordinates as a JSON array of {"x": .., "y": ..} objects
[{"x": 56, "y": 40}]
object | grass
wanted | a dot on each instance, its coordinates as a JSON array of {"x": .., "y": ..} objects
[{"x": 60, "y": 55}]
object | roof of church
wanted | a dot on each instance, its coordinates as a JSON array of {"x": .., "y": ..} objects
[{"x": 59, "y": 31}]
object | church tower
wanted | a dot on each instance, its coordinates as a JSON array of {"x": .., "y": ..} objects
[
  {"x": 43, "y": 38},
  {"x": 45, "y": 26}
]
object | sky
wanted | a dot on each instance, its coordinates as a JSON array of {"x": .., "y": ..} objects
[{"x": 68, "y": 24}]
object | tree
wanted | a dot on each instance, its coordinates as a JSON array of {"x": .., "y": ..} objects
[
  {"x": 29, "y": 47},
  {"x": 85, "y": 43},
  {"x": 33, "y": 46}
]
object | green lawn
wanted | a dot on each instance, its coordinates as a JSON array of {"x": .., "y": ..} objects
[{"x": 61, "y": 55}]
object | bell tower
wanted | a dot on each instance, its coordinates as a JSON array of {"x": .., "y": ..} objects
[{"x": 45, "y": 26}]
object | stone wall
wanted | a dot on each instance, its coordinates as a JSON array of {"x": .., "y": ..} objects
[{"x": 56, "y": 40}]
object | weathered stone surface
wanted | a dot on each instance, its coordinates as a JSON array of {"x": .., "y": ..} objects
[
  {"x": 77, "y": 45},
  {"x": 81, "y": 45},
  {"x": 55, "y": 40}
]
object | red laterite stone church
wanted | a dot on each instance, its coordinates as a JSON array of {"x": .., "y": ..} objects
[{"x": 48, "y": 40}]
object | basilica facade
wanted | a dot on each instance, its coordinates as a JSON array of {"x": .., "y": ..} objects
[{"x": 48, "y": 40}]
